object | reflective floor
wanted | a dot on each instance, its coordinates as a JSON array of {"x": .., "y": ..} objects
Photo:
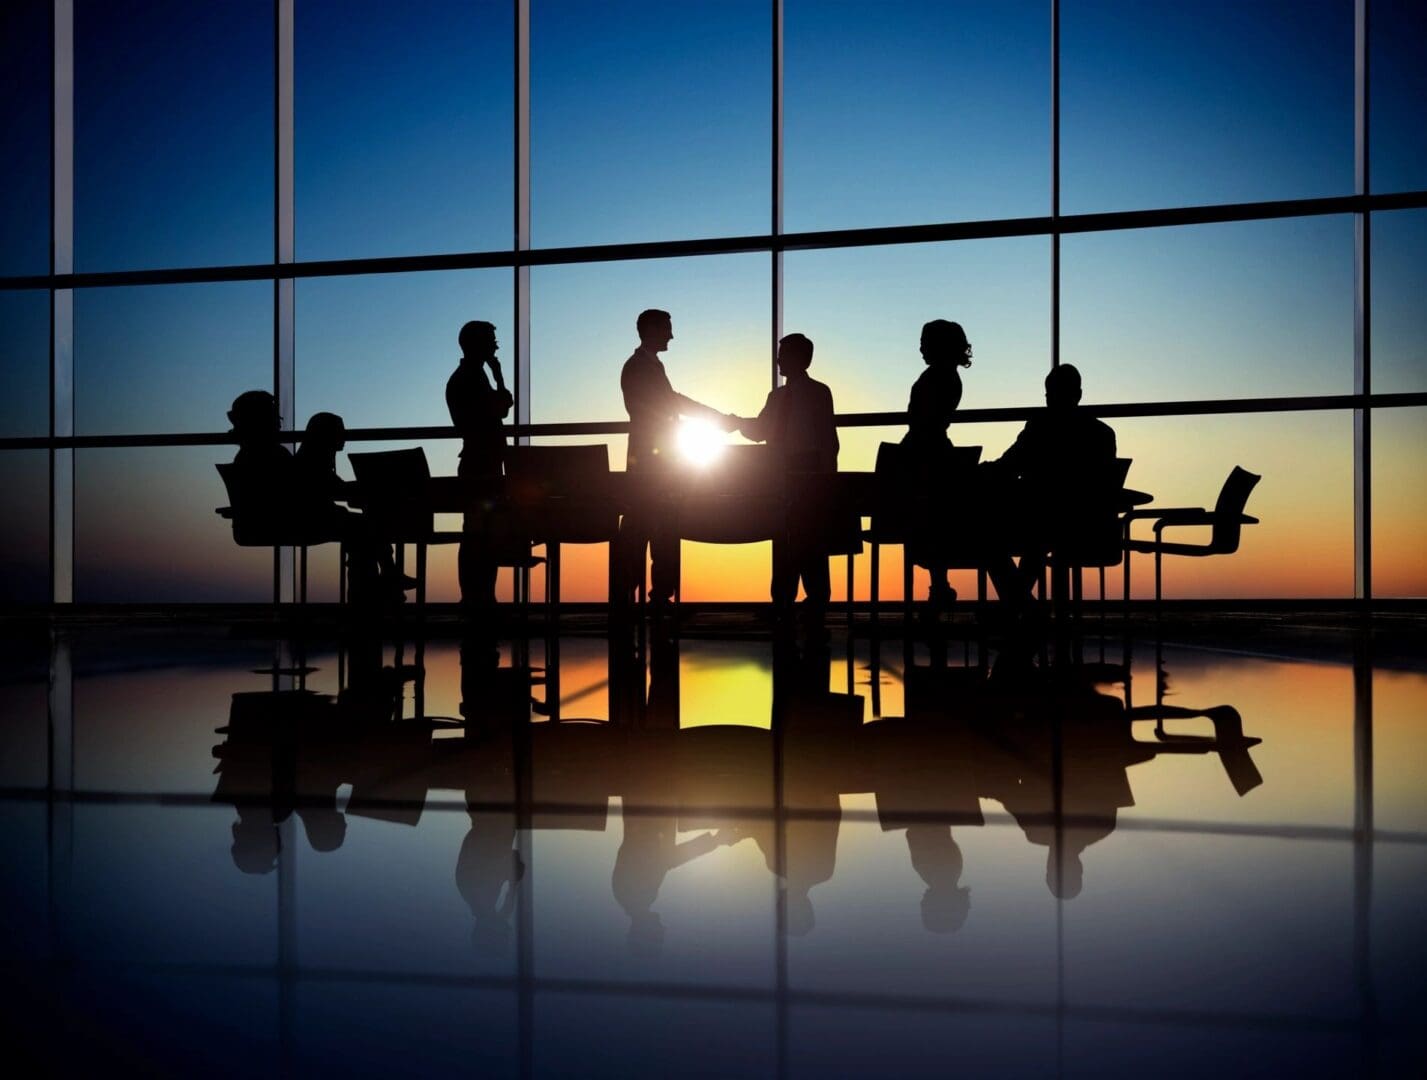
[{"x": 714, "y": 857}]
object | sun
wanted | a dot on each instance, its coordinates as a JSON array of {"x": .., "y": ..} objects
[{"x": 700, "y": 442}]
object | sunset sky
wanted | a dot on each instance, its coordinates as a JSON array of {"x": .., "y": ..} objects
[{"x": 647, "y": 127}]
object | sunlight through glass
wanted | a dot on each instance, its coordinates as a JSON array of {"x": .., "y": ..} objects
[{"x": 700, "y": 443}]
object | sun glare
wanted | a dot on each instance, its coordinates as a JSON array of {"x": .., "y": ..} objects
[{"x": 700, "y": 442}]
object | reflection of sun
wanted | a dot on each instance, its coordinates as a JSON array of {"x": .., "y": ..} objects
[{"x": 700, "y": 442}]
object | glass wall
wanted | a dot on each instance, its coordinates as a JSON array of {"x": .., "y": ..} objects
[
  {"x": 173, "y": 134},
  {"x": 914, "y": 111},
  {"x": 649, "y": 125},
  {"x": 1181, "y": 104},
  {"x": 1235, "y": 310},
  {"x": 26, "y": 90},
  {"x": 655, "y": 136},
  {"x": 403, "y": 151}
]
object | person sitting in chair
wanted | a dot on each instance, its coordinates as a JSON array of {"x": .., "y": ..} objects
[
  {"x": 317, "y": 487},
  {"x": 1058, "y": 459},
  {"x": 263, "y": 466}
]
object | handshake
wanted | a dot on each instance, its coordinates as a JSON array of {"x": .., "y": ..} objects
[{"x": 730, "y": 422}]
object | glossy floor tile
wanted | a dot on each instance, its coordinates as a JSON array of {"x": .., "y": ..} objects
[{"x": 226, "y": 854}]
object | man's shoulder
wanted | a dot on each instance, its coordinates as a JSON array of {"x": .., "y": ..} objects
[
  {"x": 1099, "y": 427},
  {"x": 466, "y": 379},
  {"x": 641, "y": 359}
]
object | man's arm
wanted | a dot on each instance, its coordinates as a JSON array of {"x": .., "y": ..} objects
[
  {"x": 499, "y": 401},
  {"x": 687, "y": 406},
  {"x": 758, "y": 427},
  {"x": 1018, "y": 454}
]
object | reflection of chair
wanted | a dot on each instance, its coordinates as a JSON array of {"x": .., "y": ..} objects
[
  {"x": 560, "y": 495},
  {"x": 902, "y": 514},
  {"x": 256, "y": 524},
  {"x": 1225, "y": 522}
]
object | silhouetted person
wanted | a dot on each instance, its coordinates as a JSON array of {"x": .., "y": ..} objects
[
  {"x": 654, "y": 408},
  {"x": 798, "y": 422},
  {"x": 317, "y": 487},
  {"x": 1061, "y": 462},
  {"x": 478, "y": 408},
  {"x": 934, "y": 398},
  {"x": 263, "y": 468}
]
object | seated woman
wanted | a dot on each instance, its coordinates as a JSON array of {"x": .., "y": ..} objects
[{"x": 316, "y": 489}]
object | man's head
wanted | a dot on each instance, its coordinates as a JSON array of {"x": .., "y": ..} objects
[
  {"x": 477, "y": 340},
  {"x": 944, "y": 341},
  {"x": 1062, "y": 387},
  {"x": 254, "y": 415},
  {"x": 795, "y": 355},
  {"x": 656, "y": 329}
]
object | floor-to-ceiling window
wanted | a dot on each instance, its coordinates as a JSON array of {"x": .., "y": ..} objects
[{"x": 1216, "y": 212}]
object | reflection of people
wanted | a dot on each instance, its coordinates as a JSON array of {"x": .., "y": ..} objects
[
  {"x": 797, "y": 421},
  {"x": 937, "y": 860},
  {"x": 477, "y": 409},
  {"x": 926, "y": 781},
  {"x": 488, "y": 874},
  {"x": 647, "y": 853},
  {"x": 265, "y": 770},
  {"x": 654, "y": 408},
  {"x": 650, "y": 847},
  {"x": 933, "y": 399},
  {"x": 817, "y": 730}
]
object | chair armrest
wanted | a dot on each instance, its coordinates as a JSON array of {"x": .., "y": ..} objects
[
  {"x": 1160, "y": 511},
  {"x": 1184, "y": 516},
  {"x": 1160, "y": 515}
]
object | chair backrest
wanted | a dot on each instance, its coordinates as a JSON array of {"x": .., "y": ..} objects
[
  {"x": 894, "y": 459},
  {"x": 253, "y": 514},
  {"x": 534, "y": 472},
  {"x": 1085, "y": 517},
  {"x": 890, "y": 457},
  {"x": 394, "y": 486},
  {"x": 1229, "y": 509},
  {"x": 755, "y": 469},
  {"x": 230, "y": 484}
]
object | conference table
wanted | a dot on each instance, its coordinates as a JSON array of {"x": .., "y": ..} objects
[{"x": 745, "y": 501}]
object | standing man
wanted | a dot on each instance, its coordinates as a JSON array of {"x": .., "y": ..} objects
[
  {"x": 797, "y": 422},
  {"x": 477, "y": 409},
  {"x": 654, "y": 408}
]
